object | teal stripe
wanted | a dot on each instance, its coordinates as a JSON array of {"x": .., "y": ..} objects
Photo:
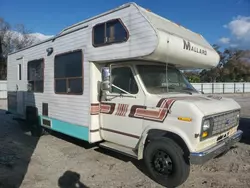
[{"x": 70, "y": 129}]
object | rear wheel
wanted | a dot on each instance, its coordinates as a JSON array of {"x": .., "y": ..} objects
[
  {"x": 33, "y": 122},
  {"x": 166, "y": 162},
  {"x": 37, "y": 130}
]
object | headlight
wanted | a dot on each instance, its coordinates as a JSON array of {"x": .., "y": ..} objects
[
  {"x": 238, "y": 118},
  {"x": 206, "y": 128},
  {"x": 206, "y": 125}
]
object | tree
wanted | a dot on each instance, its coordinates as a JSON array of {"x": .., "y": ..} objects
[
  {"x": 193, "y": 77},
  {"x": 234, "y": 66},
  {"x": 12, "y": 39}
]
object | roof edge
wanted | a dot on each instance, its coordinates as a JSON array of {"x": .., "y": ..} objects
[
  {"x": 99, "y": 15},
  {"x": 77, "y": 24}
]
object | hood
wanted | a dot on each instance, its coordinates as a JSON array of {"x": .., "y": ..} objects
[
  {"x": 212, "y": 104},
  {"x": 207, "y": 104}
]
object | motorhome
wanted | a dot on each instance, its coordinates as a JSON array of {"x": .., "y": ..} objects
[{"x": 115, "y": 80}]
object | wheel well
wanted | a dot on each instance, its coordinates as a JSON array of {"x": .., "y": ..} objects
[{"x": 156, "y": 134}]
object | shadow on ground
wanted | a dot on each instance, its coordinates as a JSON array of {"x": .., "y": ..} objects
[
  {"x": 16, "y": 149},
  {"x": 78, "y": 142},
  {"x": 70, "y": 179},
  {"x": 139, "y": 164},
  {"x": 245, "y": 127}
]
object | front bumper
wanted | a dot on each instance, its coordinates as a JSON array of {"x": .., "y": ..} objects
[{"x": 204, "y": 156}]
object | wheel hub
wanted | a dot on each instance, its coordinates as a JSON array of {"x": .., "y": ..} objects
[{"x": 162, "y": 163}]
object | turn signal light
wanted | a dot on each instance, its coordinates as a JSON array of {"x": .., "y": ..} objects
[
  {"x": 185, "y": 119},
  {"x": 204, "y": 134}
]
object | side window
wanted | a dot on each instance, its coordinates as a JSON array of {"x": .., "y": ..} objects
[
  {"x": 116, "y": 32},
  {"x": 109, "y": 32},
  {"x": 123, "y": 78},
  {"x": 68, "y": 73},
  {"x": 99, "y": 34},
  {"x": 19, "y": 72},
  {"x": 35, "y": 75}
]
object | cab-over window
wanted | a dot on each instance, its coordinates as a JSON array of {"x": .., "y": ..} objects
[{"x": 109, "y": 32}]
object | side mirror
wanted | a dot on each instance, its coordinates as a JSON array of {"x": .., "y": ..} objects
[{"x": 105, "y": 85}]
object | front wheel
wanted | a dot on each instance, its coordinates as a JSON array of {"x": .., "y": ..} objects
[{"x": 166, "y": 162}]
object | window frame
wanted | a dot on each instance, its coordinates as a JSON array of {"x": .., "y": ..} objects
[
  {"x": 105, "y": 33},
  {"x": 136, "y": 81},
  {"x": 43, "y": 66},
  {"x": 68, "y": 78}
]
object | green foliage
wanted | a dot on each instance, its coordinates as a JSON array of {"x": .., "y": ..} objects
[
  {"x": 234, "y": 66},
  {"x": 11, "y": 39},
  {"x": 192, "y": 77}
]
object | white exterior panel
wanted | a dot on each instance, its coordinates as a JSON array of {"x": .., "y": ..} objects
[
  {"x": 62, "y": 107},
  {"x": 142, "y": 37},
  {"x": 3, "y": 89},
  {"x": 75, "y": 109}
]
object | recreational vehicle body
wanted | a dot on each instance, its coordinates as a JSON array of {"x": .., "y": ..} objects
[{"x": 115, "y": 80}]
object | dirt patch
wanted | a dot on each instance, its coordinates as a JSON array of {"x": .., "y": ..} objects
[{"x": 60, "y": 161}]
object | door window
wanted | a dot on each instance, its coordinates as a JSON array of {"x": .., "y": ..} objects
[
  {"x": 123, "y": 78},
  {"x": 36, "y": 75}
]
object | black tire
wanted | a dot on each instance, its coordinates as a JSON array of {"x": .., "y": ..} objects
[
  {"x": 46, "y": 131},
  {"x": 36, "y": 130},
  {"x": 39, "y": 131},
  {"x": 33, "y": 122},
  {"x": 176, "y": 164}
]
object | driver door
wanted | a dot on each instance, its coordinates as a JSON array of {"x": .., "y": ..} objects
[{"x": 118, "y": 125}]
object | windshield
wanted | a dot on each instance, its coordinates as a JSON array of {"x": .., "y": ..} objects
[{"x": 160, "y": 79}]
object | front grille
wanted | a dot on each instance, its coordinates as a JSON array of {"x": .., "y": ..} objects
[{"x": 224, "y": 122}]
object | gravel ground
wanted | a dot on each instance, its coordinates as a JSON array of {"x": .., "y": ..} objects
[{"x": 60, "y": 161}]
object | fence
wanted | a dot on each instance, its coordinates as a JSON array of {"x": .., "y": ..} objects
[
  {"x": 228, "y": 87},
  {"x": 3, "y": 89}
]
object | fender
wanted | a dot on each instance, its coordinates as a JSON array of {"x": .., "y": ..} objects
[{"x": 141, "y": 143}]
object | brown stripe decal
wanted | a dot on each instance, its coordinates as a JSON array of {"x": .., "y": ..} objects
[
  {"x": 137, "y": 111},
  {"x": 160, "y": 102},
  {"x": 122, "y": 109},
  {"x": 107, "y": 108},
  {"x": 134, "y": 109},
  {"x": 95, "y": 109},
  {"x": 153, "y": 115},
  {"x": 122, "y": 133},
  {"x": 94, "y": 130}
]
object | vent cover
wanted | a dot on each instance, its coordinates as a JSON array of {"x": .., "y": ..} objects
[{"x": 46, "y": 122}]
